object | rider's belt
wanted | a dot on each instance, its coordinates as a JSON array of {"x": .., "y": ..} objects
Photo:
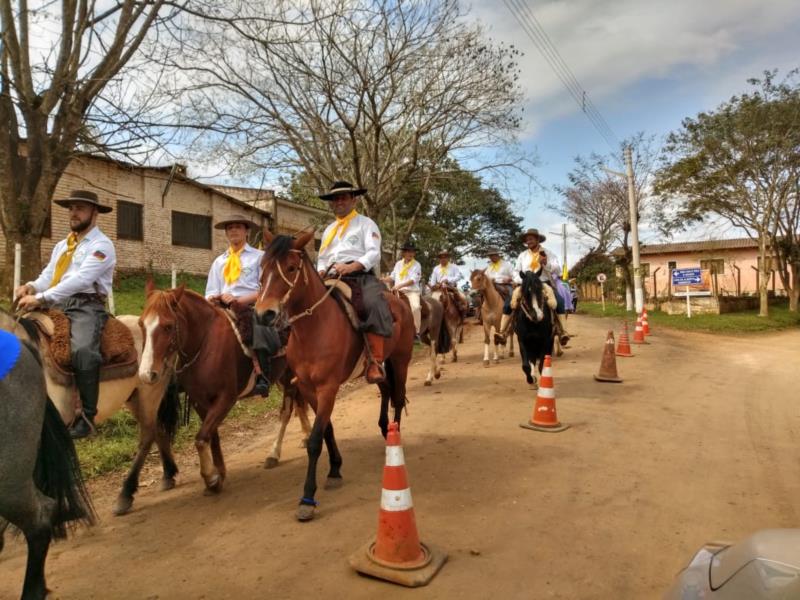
[{"x": 91, "y": 297}]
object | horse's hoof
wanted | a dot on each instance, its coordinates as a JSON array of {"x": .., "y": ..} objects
[
  {"x": 534, "y": 386},
  {"x": 167, "y": 483},
  {"x": 486, "y": 363},
  {"x": 305, "y": 512},
  {"x": 304, "y": 443},
  {"x": 559, "y": 353},
  {"x": 428, "y": 383},
  {"x": 438, "y": 375},
  {"x": 271, "y": 462},
  {"x": 497, "y": 361},
  {"x": 122, "y": 506},
  {"x": 510, "y": 355},
  {"x": 334, "y": 483},
  {"x": 213, "y": 485}
]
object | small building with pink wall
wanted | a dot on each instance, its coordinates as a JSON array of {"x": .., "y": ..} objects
[{"x": 733, "y": 265}]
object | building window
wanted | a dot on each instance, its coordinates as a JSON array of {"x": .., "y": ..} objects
[
  {"x": 645, "y": 269},
  {"x": 672, "y": 265},
  {"x": 716, "y": 266},
  {"x": 129, "y": 221},
  {"x": 191, "y": 230}
]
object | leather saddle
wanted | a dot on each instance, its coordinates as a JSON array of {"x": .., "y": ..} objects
[
  {"x": 117, "y": 347},
  {"x": 504, "y": 289},
  {"x": 343, "y": 294}
]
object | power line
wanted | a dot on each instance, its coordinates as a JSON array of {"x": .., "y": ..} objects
[{"x": 533, "y": 28}]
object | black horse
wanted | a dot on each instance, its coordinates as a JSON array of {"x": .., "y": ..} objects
[
  {"x": 534, "y": 323},
  {"x": 41, "y": 488}
]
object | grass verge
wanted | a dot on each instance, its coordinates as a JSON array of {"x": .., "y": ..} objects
[
  {"x": 115, "y": 445},
  {"x": 740, "y": 322}
]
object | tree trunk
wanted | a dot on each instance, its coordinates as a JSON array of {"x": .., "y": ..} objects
[
  {"x": 794, "y": 289},
  {"x": 763, "y": 277},
  {"x": 628, "y": 298},
  {"x": 31, "y": 259}
]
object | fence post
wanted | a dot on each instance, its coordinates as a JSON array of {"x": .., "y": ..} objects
[
  {"x": 17, "y": 267},
  {"x": 174, "y": 277}
]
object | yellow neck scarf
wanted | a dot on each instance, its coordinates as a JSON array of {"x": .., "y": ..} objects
[
  {"x": 342, "y": 223},
  {"x": 534, "y": 260},
  {"x": 65, "y": 259},
  {"x": 443, "y": 268},
  {"x": 495, "y": 266},
  {"x": 406, "y": 266},
  {"x": 233, "y": 266}
]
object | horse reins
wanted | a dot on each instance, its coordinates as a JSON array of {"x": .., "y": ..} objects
[
  {"x": 175, "y": 345},
  {"x": 309, "y": 311}
]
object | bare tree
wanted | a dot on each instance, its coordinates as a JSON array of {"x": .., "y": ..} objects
[
  {"x": 61, "y": 98},
  {"x": 596, "y": 202},
  {"x": 376, "y": 91}
]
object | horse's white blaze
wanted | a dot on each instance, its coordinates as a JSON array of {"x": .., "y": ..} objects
[{"x": 146, "y": 366}]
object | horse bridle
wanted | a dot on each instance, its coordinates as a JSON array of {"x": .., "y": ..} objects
[
  {"x": 292, "y": 284},
  {"x": 175, "y": 345}
]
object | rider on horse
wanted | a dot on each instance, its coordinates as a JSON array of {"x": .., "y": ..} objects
[
  {"x": 406, "y": 277},
  {"x": 446, "y": 274},
  {"x": 77, "y": 281},
  {"x": 500, "y": 272},
  {"x": 351, "y": 249},
  {"x": 538, "y": 260},
  {"x": 233, "y": 282}
]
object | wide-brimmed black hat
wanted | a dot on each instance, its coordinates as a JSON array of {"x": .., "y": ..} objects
[
  {"x": 235, "y": 218},
  {"x": 408, "y": 246},
  {"x": 84, "y": 196},
  {"x": 342, "y": 187},
  {"x": 492, "y": 250},
  {"x": 535, "y": 232}
]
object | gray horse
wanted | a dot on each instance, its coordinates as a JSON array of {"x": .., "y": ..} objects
[{"x": 41, "y": 488}]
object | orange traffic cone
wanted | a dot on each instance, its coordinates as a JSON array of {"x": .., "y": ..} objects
[
  {"x": 638, "y": 334},
  {"x": 624, "y": 344},
  {"x": 608, "y": 363},
  {"x": 645, "y": 325},
  {"x": 544, "y": 416},
  {"x": 396, "y": 554}
]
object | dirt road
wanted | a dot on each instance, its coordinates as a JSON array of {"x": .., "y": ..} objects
[{"x": 700, "y": 442}]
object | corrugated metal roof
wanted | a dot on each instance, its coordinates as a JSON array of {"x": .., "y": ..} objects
[{"x": 698, "y": 246}]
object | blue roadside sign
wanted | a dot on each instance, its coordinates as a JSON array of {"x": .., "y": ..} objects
[{"x": 686, "y": 276}]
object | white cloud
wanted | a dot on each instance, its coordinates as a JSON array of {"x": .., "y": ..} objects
[{"x": 612, "y": 44}]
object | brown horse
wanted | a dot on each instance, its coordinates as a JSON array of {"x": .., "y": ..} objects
[
  {"x": 433, "y": 334},
  {"x": 492, "y": 313},
  {"x": 324, "y": 349},
  {"x": 453, "y": 319},
  {"x": 180, "y": 327}
]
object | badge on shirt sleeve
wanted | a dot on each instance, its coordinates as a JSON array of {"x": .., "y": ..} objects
[{"x": 98, "y": 254}]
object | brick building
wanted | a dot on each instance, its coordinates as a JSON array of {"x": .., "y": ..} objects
[{"x": 162, "y": 217}]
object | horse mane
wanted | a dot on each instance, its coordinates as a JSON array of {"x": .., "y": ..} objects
[
  {"x": 279, "y": 247},
  {"x": 159, "y": 300}
]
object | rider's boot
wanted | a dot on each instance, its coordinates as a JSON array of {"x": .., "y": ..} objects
[
  {"x": 262, "y": 383},
  {"x": 375, "y": 372},
  {"x": 561, "y": 330},
  {"x": 88, "y": 384}
]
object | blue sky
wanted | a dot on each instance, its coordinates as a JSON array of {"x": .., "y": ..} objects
[{"x": 645, "y": 65}]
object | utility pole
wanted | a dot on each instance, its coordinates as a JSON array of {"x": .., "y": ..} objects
[
  {"x": 563, "y": 234},
  {"x": 638, "y": 292},
  {"x": 634, "y": 220}
]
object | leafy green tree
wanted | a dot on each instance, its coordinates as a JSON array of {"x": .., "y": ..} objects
[{"x": 741, "y": 162}]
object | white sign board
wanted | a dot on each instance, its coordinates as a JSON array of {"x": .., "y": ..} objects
[{"x": 601, "y": 277}]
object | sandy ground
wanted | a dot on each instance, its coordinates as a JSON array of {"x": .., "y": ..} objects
[{"x": 701, "y": 442}]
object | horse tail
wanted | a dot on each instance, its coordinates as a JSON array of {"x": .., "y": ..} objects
[
  {"x": 169, "y": 410},
  {"x": 58, "y": 474},
  {"x": 444, "y": 341}
]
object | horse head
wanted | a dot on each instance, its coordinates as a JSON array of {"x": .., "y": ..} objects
[
  {"x": 160, "y": 324},
  {"x": 285, "y": 276},
  {"x": 532, "y": 294},
  {"x": 478, "y": 280}
]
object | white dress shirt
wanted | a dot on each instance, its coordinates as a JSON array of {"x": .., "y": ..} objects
[
  {"x": 524, "y": 263},
  {"x": 249, "y": 279},
  {"x": 361, "y": 242},
  {"x": 91, "y": 270},
  {"x": 414, "y": 274},
  {"x": 503, "y": 274},
  {"x": 449, "y": 274}
]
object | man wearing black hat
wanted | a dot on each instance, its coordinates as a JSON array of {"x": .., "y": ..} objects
[
  {"x": 77, "y": 281},
  {"x": 351, "y": 248},
  {"x": 233, "y": 282},
  {"x": 406, "y": 277}
]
